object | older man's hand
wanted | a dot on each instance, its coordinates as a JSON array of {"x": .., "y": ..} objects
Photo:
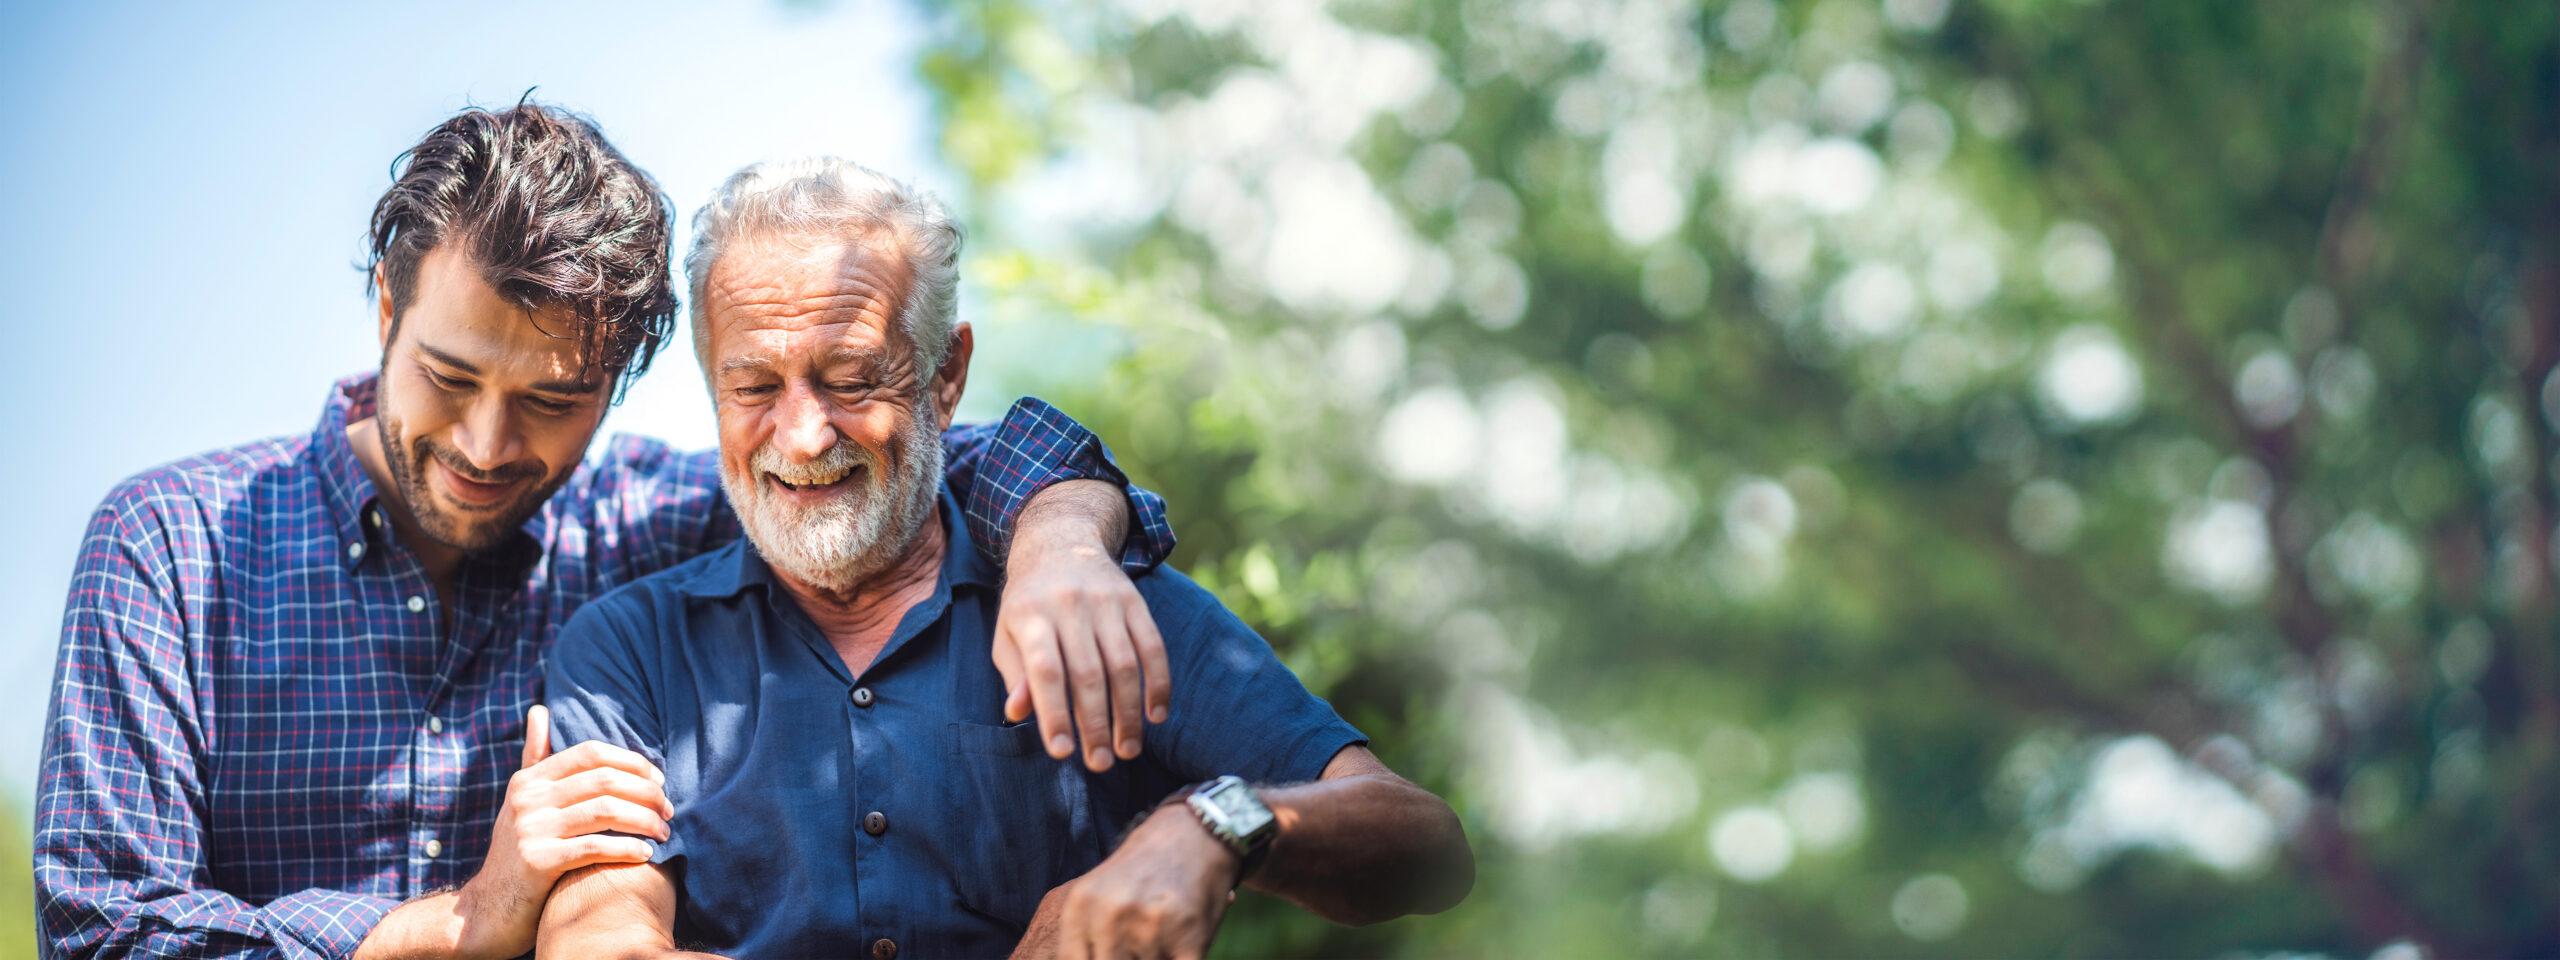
[
  {"x": 1073, "y": 638},
  {"x": 1161, "y": 895}
]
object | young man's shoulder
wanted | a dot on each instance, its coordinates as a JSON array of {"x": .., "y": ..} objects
[{"x": 204, "y": 488}]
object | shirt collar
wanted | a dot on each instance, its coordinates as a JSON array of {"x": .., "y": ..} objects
[
  {"x": 745, "y": 566},
  {"x": 343, "y": 482}
]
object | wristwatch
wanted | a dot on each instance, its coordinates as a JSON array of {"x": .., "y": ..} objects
[{"x": 1237, "y": 818}]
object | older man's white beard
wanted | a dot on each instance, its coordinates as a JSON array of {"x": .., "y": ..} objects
[{"x": 834, "y": 545}]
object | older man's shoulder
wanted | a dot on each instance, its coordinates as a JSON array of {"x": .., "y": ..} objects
[
  {"x": 710, "y": 574},
  {"x": 1184, "y": 609}
]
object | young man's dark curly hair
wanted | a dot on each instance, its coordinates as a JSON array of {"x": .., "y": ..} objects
[{"x": 550, "y": 213}]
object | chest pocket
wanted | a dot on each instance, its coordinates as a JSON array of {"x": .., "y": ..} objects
[{"x": 1029, "y": 822}]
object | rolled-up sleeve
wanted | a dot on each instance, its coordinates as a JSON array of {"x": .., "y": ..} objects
[
  {"x": 596, "y": 690},
  {"x": 1236, "y": 708},
  {"x": 120, "y": 864},
  {"x": 998, "y": 467}
]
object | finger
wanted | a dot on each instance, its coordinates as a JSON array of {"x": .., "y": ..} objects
[
  {"x": 609, "y": 782},
  {"x": 1074, "y": 942},
  {"x": 1046, "y": 674},
  {"x": 1120, "y": 668},
  {"x": 1151, "y": 658},
  {"x": 1008, "y": 658},
  {"x": 537, "y": 735},
  {"x": 562, "y": 856},
  {"x": 601, "y": 814},
  {"x": 1091, "y": 698},
  {"x": 595, "y": 754},
  {"x": 1017, "y": 701}
]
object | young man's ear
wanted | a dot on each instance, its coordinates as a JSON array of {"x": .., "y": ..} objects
[
  {"x": 950, "y": 381},
  {"x": 382, "y": 308}
]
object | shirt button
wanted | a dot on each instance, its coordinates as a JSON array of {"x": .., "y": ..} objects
[
  {"x": 875, "y": 823},
  {"x": 417, "y": 604},
  {"x": 884, "y": 949},
  {"x": 435, "y": 724},
  {"x": 862, "y": 698},
  {"x": 355, "y": 551},
  {"x": 435, "y": 848}
]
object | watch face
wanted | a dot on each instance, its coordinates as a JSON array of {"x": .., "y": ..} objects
[{"x": 1240, "y": 810}]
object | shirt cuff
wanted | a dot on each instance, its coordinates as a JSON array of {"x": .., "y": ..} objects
[
  {"x": 1037, "y": 445},
  {"x": 323, "y": 924}
]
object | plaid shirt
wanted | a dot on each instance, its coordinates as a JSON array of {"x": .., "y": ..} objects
[{"x": 266, "y": 731}]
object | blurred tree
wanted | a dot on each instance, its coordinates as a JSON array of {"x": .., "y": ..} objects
[
  {"x": 17, "y": 883},
  {"x": 1919, "y": 477}
]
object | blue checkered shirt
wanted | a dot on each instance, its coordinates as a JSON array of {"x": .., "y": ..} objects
[{"x": 266, "y": 732}]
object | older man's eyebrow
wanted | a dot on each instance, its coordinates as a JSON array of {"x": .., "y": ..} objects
[
  {"x": 853, "y": 354},
  {"x": 755, "y": 361}
]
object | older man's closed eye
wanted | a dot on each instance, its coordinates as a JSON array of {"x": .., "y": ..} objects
[{"x": 819, "y": 696}]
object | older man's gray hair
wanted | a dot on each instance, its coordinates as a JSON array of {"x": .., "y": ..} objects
[{"x": 833, "y": 198}]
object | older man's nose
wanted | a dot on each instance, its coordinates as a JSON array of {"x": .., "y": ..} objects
[{"x": 804, "y": 433}]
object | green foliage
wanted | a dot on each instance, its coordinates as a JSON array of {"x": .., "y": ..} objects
[
  {"x": 1884, "y": 431},
  {"x": 17, "y": 884}
]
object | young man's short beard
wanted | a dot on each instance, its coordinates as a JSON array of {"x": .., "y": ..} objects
[
  {"x": 838, "y": 544},
  {"x": 403, "y": 459}
]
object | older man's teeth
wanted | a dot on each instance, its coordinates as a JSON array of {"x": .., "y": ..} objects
[{"x": 807, "y": 481}]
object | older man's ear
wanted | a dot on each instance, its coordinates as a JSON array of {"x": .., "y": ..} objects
[{"x": 949, "y": 381}]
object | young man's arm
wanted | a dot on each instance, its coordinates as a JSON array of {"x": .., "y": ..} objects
[
  {"x": 120, "y": 861},
  {"x": 1073, "y": 641}
]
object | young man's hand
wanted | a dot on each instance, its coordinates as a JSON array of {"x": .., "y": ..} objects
[
  {"x": 557, "y": 810},
  {"x": 1073, "y": 639}
]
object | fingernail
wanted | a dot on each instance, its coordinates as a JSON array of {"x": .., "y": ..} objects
[
  {"x": 1128, "y": 749},
  {"x": 1156, "y": 715},
  {"x": 1061, "y": 746},
  {"x": 1099, "y": 759}
]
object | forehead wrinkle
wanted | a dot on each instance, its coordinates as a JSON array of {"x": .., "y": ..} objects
[{"x": 774, "y": 270}]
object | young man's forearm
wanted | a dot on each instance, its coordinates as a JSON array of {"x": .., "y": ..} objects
[
  {"x": 1073, "y": 513},
  {"x": 430, "y": 926}
]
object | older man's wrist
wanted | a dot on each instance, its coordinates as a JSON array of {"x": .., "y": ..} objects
[{"x": 1184, "y": 836}]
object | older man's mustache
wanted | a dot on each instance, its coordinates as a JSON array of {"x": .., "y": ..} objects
[{"x": 830, "y": 467}]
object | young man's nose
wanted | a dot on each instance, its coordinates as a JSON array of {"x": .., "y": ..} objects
[{"x": 487, "y": 437}]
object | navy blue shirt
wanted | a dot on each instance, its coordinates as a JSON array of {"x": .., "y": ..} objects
[{"x": 777, "y": 757}]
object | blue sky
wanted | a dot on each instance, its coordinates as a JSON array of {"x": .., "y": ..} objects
[{"x": 186, "y": 188}]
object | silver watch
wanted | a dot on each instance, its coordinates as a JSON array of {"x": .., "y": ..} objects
[{"x": 1236, "y": 817}]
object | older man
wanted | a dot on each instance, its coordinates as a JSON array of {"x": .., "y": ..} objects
[{"x": 843, "y": 784}]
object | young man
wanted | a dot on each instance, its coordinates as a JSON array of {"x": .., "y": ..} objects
[
  {"x": 290, "y": 714},
  {"x": 842, "y": 782}
]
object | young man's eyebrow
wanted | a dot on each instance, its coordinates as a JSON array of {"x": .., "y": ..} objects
[
  {"x": 448, "y": 359},
  {"x": 567, "y": 387}
]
